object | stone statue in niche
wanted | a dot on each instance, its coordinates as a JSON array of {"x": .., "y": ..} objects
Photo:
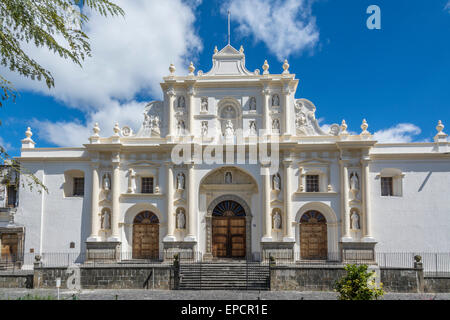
[
  {"x": 276, "y": 221},
  {"x": 276, "y": 126},
  {"x": 354, "y": 181},
  {"x": 105, "y": 219},
  {"x": 181, "y": 127},
  {"x": 181, "y": 219},
  {"x": 180, "y": 181},
  {"x": 204, "y": 105},
  {"x": 181, "y": 102},
  {"x": 275, "y": 101},
  {"x": 204, "y": 128},
  {"x": 228, "y": 178},
  {"x": 253, "y": 128},
  {"x": 276, "y": 182},
  {"x": 252, "y": 104},
  {"x": 106, "y": 182},
  {"x": 229, "y": 130},
  {"x": 131, "y": 176},
  {"x": 355, "y": 221}
]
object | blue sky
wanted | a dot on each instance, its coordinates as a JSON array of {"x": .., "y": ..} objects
[{"x": 397, "y": 77}]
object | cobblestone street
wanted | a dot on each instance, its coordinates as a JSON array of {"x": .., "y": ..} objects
[{"x": 13, "y": 294}]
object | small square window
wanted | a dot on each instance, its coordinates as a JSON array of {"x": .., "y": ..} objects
[
  {"x": 312, "y": 183},
  {"x": 387, "y": 186},
  {"x": 72, "y": 245},
  {"x": 78, "y": 186},
  {"x": 147, "y": 185}
]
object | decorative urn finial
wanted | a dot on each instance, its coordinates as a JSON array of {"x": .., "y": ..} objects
[
  {"x": 28, "y": 133},
  {"x": 440, "y": 127},
  {"x": 191, "y": 69},
  {"x": 172, "y": 69},
  {"x": 364, "y": 127},
  {"x": 344, "y": 127},
  {"x": 286, "y": 66},
  {"x": 96, "y": 130},
  {"x": 116, "y": 129},
  {"x": 215, "y": 50},
  {"x": 241, "y": 49},
  {"x": 265, "y": 67}
]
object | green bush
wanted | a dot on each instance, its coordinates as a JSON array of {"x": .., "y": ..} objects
[{"x": 358, "y": 284}]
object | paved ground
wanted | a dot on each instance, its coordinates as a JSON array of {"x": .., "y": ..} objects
[{"x": 123, "y": 294}]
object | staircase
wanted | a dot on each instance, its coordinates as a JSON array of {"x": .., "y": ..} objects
[{"x": 224, "y": 276}]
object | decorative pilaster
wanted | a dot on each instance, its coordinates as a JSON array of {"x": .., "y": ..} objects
[
  {"x": 287, "y": 110},
  {"x": 170, "y": 126},
  {"x": 94, "y": 203},
  {"x": 115, "y": 199},
  {"x": 288, "y": 234},
  {"x": 169, "y": 197},
  {"x": 191, "y": 94},
  {"x": 266, "y": 110},
  {"x": 367, "y": 229},
  {"x": 344, "y": 198},
  {"x": 266, "y": 204},
  {"x": 192, "y": 210}
]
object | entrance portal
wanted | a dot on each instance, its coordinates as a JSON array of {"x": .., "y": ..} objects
[
  {"x": 228, "y": 230},
  {"x": 146, "y": 236},
  {"x": 313, "y": 236}
]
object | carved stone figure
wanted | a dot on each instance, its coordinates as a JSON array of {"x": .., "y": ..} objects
[
  {"x": 180, "y": 181},
  {"x": 131, "y": 176},
  {"x": 276, "y": 126},
  {"x": 204, "y": 105},
  {"x": 181, "y": 219},
  {"x": 276, "y": 220},
  {"x": 151, "y": 126},
  {"x": 354, "y": 181},
  {"x": 181, "y": 127},
  {"x": 229, "y": 130},
  {"x": 252, "y": 104},
  {"x": 228, "y": 178},
  {"x": 334, "y": 129},
  {"x": 355, "y": 221},
  {"x": 106, "y": 182},
  {"x": 106, "y": 219},
  {"x": 204, "y": 128},
  {"x": 276, "y": 182},
  {"x": 253, "y": 128},
  {"x": 181, "y": 102},
  {"x": 275, "y": 101}
]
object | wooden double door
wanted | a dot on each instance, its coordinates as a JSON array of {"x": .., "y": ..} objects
[
  {"x": 9, "y": 246},
  {"x": 313, "y": 236},
  {"x": 229, "y": 236},
  {"x": 146, "y": 236}
]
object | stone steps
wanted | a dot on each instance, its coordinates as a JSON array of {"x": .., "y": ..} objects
[{"x": 224, "y": 276}]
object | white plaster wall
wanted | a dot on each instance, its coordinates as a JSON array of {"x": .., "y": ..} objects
[{"x": 419, "y": 220}]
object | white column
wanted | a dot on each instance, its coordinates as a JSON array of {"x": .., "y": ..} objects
[
  {"x": 366, "y": 202},
  {"x": 192, "y": 208},
  {"x": 266, "y": 205},
  {"x": 191, "y": 110},
  {"x": 169, "y": 197},
  {"x": 94, "y": 204},
  {"x": 286, "y": 111},
  {"x": 170, "y": 126},
  {"x": 288, "y": 234},
  {"x": 266, "y": 111},
  {"x": 115, "y": 200},
  {"x": 344, "y": 199}
]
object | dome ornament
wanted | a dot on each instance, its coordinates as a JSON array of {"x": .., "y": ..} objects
[
  {"x": 191, "y": 69},
  {"x": 116, "y": 130},
  {"x": 364, "y": 127},
  {"x": 28, "y": 134},
  {"x": 265, "y": 67},
  {"x": 440, "y": 127},
  {"x": 28, "y": 143},
  {"x": 96, "y": 130},
  {"x": 172, "y": 69},
  {"x": 344, "y": 127},
  {"x": 286, "y": 67},
  {"x": 215, "y": 50}
]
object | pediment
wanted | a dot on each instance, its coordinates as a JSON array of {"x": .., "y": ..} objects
[
  {"x": 143, "y": 163},
  {"x": 238, "y": 177},
  {"x": 229, "y": 62}
]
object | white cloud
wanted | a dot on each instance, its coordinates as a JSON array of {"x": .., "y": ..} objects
[
  {"x": 402, "y": 132},
  {"x": 286, "y": 27},
  {"x": 6, "y": 145},
  {"x": 130, "y": 55}
]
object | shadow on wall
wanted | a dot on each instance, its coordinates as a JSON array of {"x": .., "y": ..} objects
[{"x": 425, "y": 181}]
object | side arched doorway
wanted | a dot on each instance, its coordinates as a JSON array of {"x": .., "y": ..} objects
[
  {"x": 313, "y": 236},
  {"x": 229, "y": 229},
  {"x": 146, "y": 236}
]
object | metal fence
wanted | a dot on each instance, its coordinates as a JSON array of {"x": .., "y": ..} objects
[{"x": 434, "y": 263}]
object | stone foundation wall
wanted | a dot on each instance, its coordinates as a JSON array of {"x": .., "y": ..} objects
[
  {"x": 16, "y": 279},
  {"x": 109, "y": 277},
  {"x": 437, "y": 284},
  {"x": 399, "y": 279}
]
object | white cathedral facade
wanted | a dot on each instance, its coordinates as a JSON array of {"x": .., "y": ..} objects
[{"x": 257, "y": 176}]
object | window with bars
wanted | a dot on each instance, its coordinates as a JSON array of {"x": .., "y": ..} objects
[
  {"x": 312, "y": 183},
  {"x": 387, "y": 186},
  {"x": 147, "y": 185},
  {"x": 78, "y": 186}
]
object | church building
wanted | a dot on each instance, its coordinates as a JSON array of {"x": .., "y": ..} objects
[{"x": 232, "y": 165}]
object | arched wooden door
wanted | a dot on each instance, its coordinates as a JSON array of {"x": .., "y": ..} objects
[
  {"x": 228, "y": 230},
  {"x": 313, "y": 236},
  {"x": 146, "y": 236}
]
